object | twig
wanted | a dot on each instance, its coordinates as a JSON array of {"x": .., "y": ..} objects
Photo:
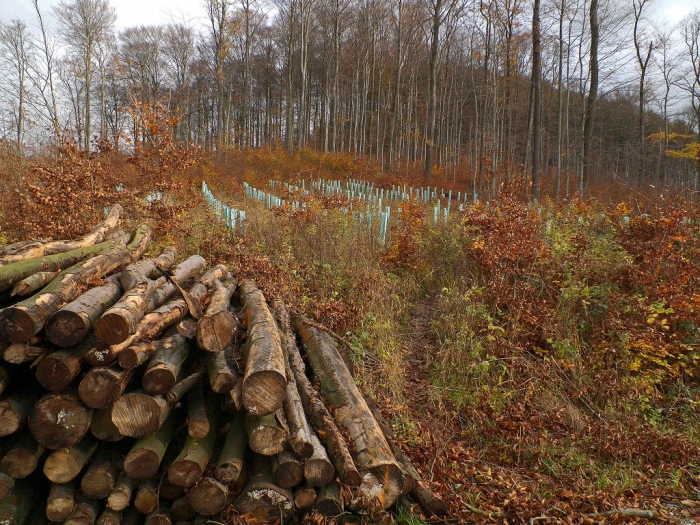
[
  {"x": 477, "y": 510},
  {"x": 625, "y": 511}
]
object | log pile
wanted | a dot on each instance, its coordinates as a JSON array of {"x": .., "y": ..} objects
[{"x": 142, "y": 390}]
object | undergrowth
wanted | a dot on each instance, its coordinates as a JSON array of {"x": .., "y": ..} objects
[{"x": 564, "y": 338}]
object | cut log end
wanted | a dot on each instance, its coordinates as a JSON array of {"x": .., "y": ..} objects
[
  {"x": 59, "y": 421},
  {"x": 264, "y": 392},
  {"x": 66, "y": 328},
  {"x": 112, "y": 328},
  {"x": 208, "y": 497},
  {"x": 139, "y": 415}
]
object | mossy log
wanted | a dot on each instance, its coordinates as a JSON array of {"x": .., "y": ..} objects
[
  {"x": 216, "y": 328},
  {"x": 147, "y": 268},
  {"x": 261, "y": 498},
  {"x": 74, "y": 321},
  {"x": 198, "y": 422},
  {"x": 101, "y": 475},
  {"x": 101, "y": 386},
  {"x": 145, "y": 457},
  {"x": 189, "y": 465},
  {"x": 59, "y": 420},
  {"x": 25, "y": 319},
  {"x": 351, "y": 412},
  {"x": 15, "y": 272},
  {"x": 42, "y": 249},
  {"x": 64, "y": 465},
  {"x": 61, "y": 501},
  {"x": 22, "y": 458},
  {"x": 6, "y": 485},
  {"x": 314, "y": 407},
  {"x": 18, "y": 505},
  {"x": 137, "y": 414},
  {"x": 14, "y": 412},
  {"x": 232, "y": 457},
  {"x": 208, "y": 496},
  {"x": 165, "y": 365},
  {"x": 265, "y": 380}
]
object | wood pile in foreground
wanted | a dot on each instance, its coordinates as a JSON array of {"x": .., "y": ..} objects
[{"x": 141, "y": 390}]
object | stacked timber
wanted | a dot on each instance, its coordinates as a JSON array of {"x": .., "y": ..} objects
[{"x": 146, "y": 390}]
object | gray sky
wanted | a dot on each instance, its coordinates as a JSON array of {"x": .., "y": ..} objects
[{"x": 143, "y": 12}]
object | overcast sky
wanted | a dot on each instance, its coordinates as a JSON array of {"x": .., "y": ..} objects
[{"x": 143, "y": 12}]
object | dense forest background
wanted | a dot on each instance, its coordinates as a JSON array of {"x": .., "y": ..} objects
[{"x": 586, "y": 92}]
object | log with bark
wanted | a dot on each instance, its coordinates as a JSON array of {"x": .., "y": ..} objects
[
  {"x": 137, "y": 414},
  {"x": 101, "y": 475},
  {"x": 64, "y": 464},
  {"x": 165, "y": 285},
  {"x": 149, "y": 328},
  {"x": 216, "y": 328},
  {"x": 18, "y": 353},
  {"x": 221, "y": 378},
  {"x": 25, "y": 319},
  {"x": 198, "y": 423},
  {"x": 261, "y": 498},
  {"x": 61, "y": 367},
  {"x": 102, "y": 426},
  {"x": 61, "y": 501},
  {"x": 430, "y": 503},
  {"x": 165, "y": 365},
  {"x": 287, "y": 470},
  {"x": 145, "y": 457},
  {"x": 160, "y": 516},
  {"x": 231, "y": 459},
  {"x": 42, "y": 249},
  {"x": 318, "y": 469},
  {"x": 371, "y": 449},
  {"x": 85, "y": 511},
  {"x": 189, "y": 465},
  {"x": 304, "y": 496},
  {"x": 139, "y": 353},
  {"x": 147, "y": 268},
  {"x": 181, "y": 510},
  {"x": 33, "y": 283},
  {"x": 315, "y": 408},
  {"x": 16, "y": 507},
  {"x": 22, "y": 458},
  {"x": 4, "y": 379},
  {"x": 328, "y": 501},
  {"x": 109, "y": 517},
  {"x": 120, "y": 496},
  {"x": 14, "y": 412},
  {"x": 101, "y": 386},
  {"x": 183, "y": 387},
  {"x": 267, "y": 434},
  {"x": 119, "y": 322},
  {"x": 208, "y": 496},
  {"x": 59, "y": 420},
  {"x": 72, "y": 323},
  {"x": 146, "y": 499},
  {"x": 265, "y": 381},
  {"x": 198, "y": 295}
]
